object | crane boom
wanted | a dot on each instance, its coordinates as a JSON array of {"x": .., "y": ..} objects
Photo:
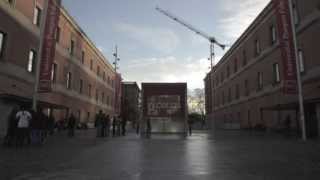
[
  {"x": 190, "y": 27},
  {"x": 185, "y": 24}
]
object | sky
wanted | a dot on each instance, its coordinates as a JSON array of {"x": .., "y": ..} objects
[{"x": 154, "y": 48}]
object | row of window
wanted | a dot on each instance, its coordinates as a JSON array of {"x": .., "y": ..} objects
[
  {"x": 260, "y": 84},
  {"x": 99, "y": 73},
  {"x": 69, "y": 81},
  {"x": 273, "y": 40}
]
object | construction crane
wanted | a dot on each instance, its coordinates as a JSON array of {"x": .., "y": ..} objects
[{"x": 211, "y": 39}]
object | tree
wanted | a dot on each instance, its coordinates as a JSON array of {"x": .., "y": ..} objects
[{"x": 196, "y": 101}]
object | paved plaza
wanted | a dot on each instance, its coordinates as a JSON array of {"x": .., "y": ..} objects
[{"x": 203, "y": 156}]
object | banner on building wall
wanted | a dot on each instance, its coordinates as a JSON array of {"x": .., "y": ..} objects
[
  {"x": 48, "y": 45},
  {"x": 164, "y": 105},
  {"x": 285, "y": 34}
]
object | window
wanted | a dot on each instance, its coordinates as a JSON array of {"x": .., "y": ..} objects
[
  {"x": 58, "y": 31},
  {"x": 257, "y": 47},
  {"x": 235, "y": 65},
  {"x": 89, "y": 90},
  {"x": 80, "y": 86},
  {"x": 54, "y": 72},
  {"x": 72, "y": 47},
  {"x": 11, "y": 2},
  {"x": 246, "y": 87},
  {"x": 108, "y": 100},
  {"x": 237, "y": 91},
  {"x": 260, "y": 80},
  {"x": 276, "y": 73},
  {"x": 91, "y": 64},
  {"x": 222, "y": 77},
  {"x": 104, "y": 76},
  {"x": 228, "y": 71},
  {"x": 2, "y": 42},
  {"x": 97, "y": 95},
  {"x": 223, "y": 98},
  {"x": 69, "y": 79},
  {"x": 31, "y": 61},
  {"x": 229, "y": 95},
  {"x": 102, "y": 100},
  {"x": 295, "y": 13},
  {"x": 108, "y": 79},
  {"x": 98, "y": 71},
  {"x": 37, "y": 16},
  {"x": 301, "y": 60},
  {"x": 83, "y": 57},
  {"x": 273, "y": 34},
  {"x": 244, "y": 56}
]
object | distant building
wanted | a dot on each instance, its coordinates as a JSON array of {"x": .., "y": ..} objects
[
  {"x": 246, "y": 88},
  {"x": 82, "y": 79},
  {"x": 130, "y": 105},
  {"x": 165, "y": 104}
]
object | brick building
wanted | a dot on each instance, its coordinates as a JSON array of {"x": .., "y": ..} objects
[
  {"x": 247, "y": 83},
  {"x": 83, "y": 81},
  {"x": 131, "y": 101}
]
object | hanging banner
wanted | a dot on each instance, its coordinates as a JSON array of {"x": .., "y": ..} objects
[
  {"x": 48, "y": 45},
  {"x": 285, "y": 34}
]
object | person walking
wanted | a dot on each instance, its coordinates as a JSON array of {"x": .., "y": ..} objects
[
  {"x": 24, "y": 117},
  {"x": 190, "y": 123},
  {"x": 114, "y": 126},
  {"x": 71, "y": 125},
  {"x": 11, "y": 135},
  {"x": 36, "y": 126},
  {"x": 149, "y": 128},
  {"x": 98, "y": 123}
]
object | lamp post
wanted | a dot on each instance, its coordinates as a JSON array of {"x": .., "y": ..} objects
[
  {"x": 299, "y": 81},
  {"x": 115, "y": 63}
]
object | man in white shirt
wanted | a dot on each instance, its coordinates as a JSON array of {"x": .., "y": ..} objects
[{"x": 24, "y": 118}]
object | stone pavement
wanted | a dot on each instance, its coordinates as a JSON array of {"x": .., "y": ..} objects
[{"x": 203, "y": 156}]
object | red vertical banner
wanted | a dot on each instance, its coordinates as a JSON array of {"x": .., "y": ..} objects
[
  {"x": 285, "y": 34},
  {"x": 48, "y": 45}
]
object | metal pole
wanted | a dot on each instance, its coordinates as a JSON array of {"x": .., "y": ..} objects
[
  {"x": 211, "y": 54},
  {"x": 299, "y": 81},
  {"x": 116, "y": 59},
  {"x": 38, "y": 62}
]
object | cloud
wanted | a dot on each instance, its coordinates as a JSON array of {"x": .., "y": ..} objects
[
  {"x": 168, "y": 69},
  {"x": 161, "y": 39},
  {"x": 238, "y": 15}
]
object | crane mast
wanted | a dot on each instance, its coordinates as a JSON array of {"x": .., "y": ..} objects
[{"x": 211, "y": 39}]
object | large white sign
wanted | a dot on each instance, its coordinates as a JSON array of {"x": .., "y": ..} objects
[{"x": 163, "y": 105}]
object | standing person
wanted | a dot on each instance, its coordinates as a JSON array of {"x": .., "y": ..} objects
[
  {"x": 24, "y": 118},
  {"x": 98, "y": 123},
  {"x": 190, "y": 123},
  {"x": 35, "y": 127},
  {"x": 123, "y": 126},
  {"x": 119, "y": 126},
  {"x": 149, "y": 128},
  {"x": 114, "y": 125},
  {"x": 104, "y": 125},
  {"x": 107, "y": 125},
  {"x": 51, "y": 124},
  {"x": 71, "y": 125},
  {"x": 12, "y": 128}
]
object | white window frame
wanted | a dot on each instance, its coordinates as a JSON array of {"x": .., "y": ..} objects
[
  {"x": 301, "y": 60},
  {"x": 273, "y": 34},
  {"x": 2, "y": 42},
  {"x": 37, "y": 16},
  {"x": 69, "y": 79},
  {"x": 31, "y": 60},
  {"x": 54, "y": 72},
  {"x": 276, "y": 73}
]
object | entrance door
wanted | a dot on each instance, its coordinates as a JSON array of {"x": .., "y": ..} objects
[{"x": 311, "y": 120}]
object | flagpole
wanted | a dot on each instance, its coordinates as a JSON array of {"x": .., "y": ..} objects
[
  {"x": 299, "y": 81},
  {"x": 38, "y": 62}
]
